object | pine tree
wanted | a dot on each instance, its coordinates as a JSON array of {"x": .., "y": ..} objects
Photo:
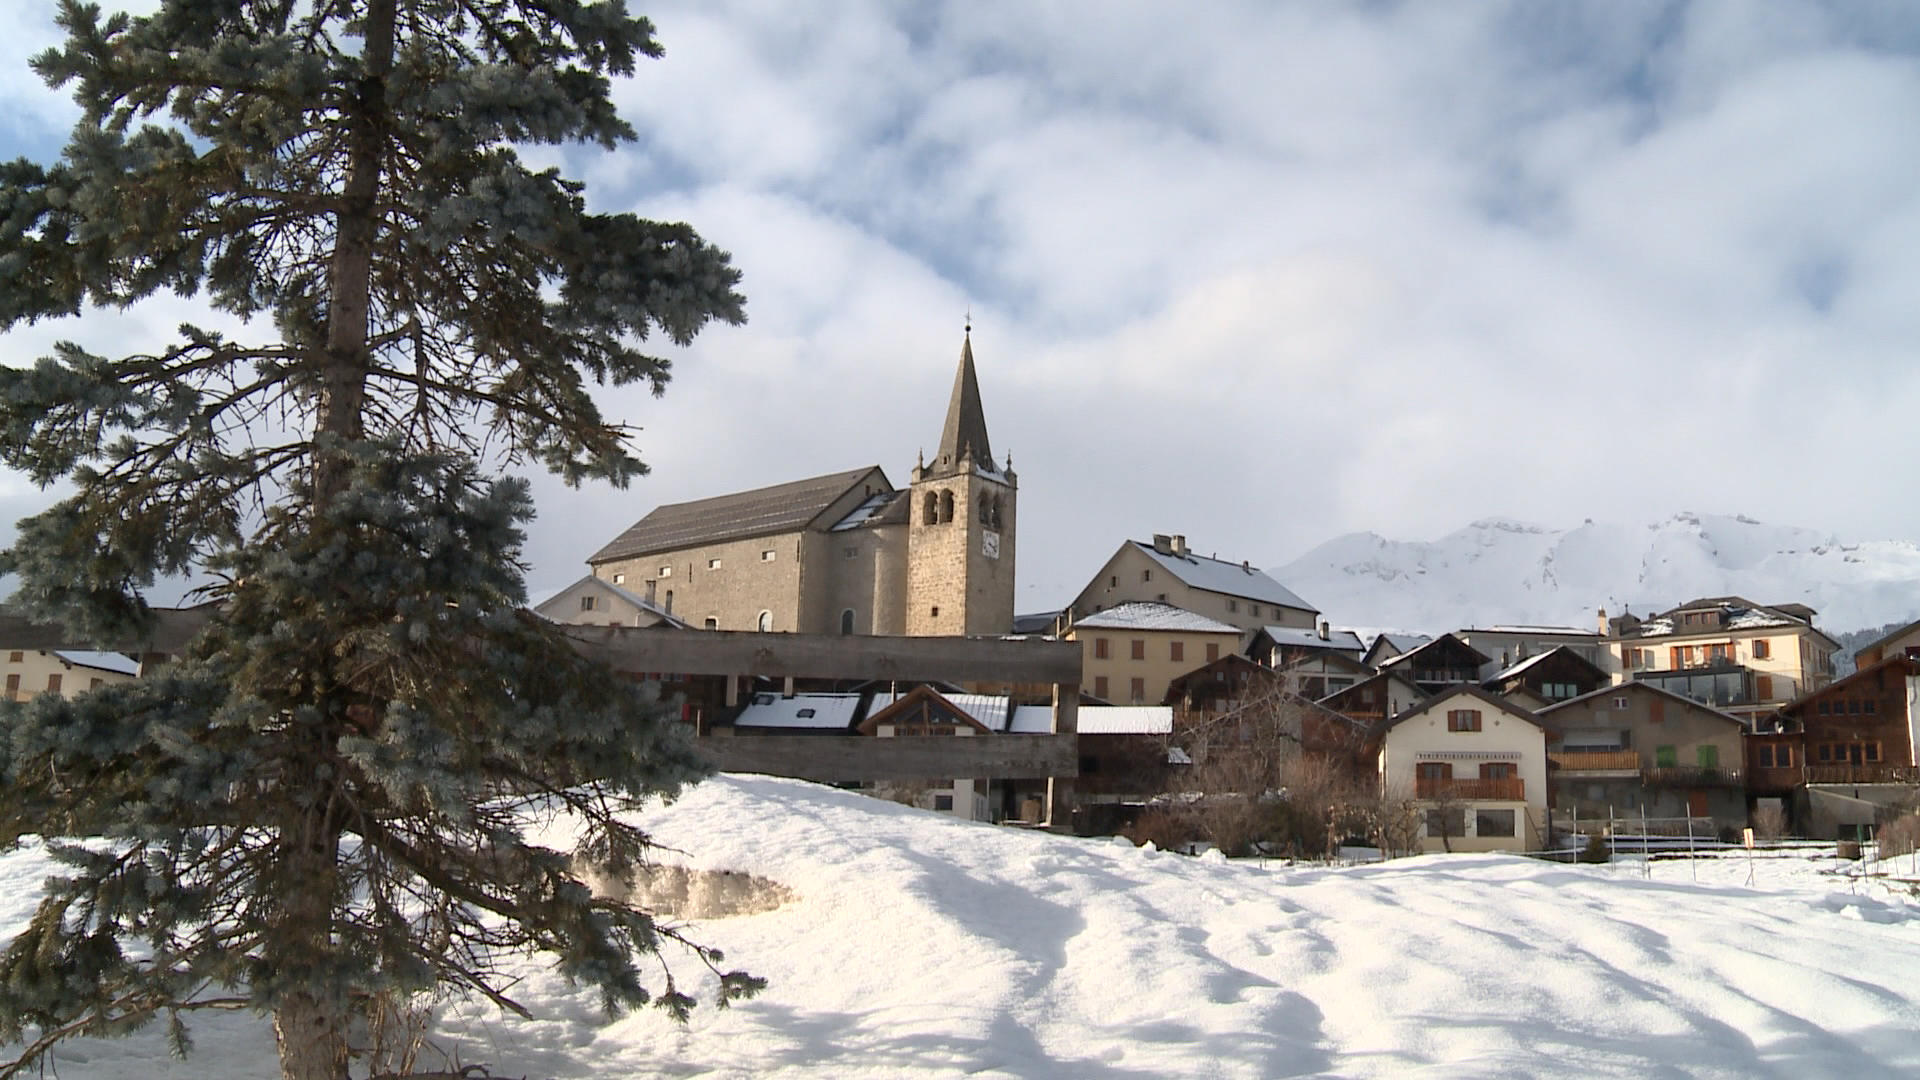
[{"x": 326, "y": 803}]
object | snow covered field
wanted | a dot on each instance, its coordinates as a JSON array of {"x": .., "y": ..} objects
[{"x": 915, "y": 945}]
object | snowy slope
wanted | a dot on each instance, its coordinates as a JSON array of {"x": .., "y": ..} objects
[
  {"x": 1498, "y": 571},
  {"x": 919, "y": 946}
]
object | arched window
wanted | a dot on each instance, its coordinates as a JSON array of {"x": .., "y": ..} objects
[
  {"x": 669, "y": 607},
  {"x": 711, "y": 623},
  {"x": 946, "y": 505},
  {"x": 846, "y": 621},
  {"x": 932, "y": 516},
  {"x": 997, "y": 506},
  {"x": 766, "y": 622},
  {"x": 986, "y": 509}
]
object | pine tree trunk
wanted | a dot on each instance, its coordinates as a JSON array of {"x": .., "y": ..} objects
[
  {"x": 312, "y": 1039},
  {"x": 343, "y": 384}
]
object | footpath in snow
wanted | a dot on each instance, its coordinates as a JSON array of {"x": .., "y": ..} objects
[{"x": 915, "y": 945}]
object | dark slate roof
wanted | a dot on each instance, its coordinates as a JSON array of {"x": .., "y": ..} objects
[
  {"x": 965, "y": 431},
  {"x": 761, "y": 512},
  {"x": 1230, "y": 578}
]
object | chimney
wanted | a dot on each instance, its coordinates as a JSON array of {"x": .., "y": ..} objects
[
  {"x": 1179, "y": 544},
  {"x": 1603, "y": 622},
  {"x": 1326, "y": 630},
  {"x": 1163, "y": 543}
]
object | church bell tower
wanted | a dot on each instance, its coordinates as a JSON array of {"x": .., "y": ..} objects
[{"x": 960, "y": 541}]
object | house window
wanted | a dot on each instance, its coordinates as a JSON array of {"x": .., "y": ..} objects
[
  {"x": 1825, "y": 753},
  {"x": 53, "y": 683},
  {"x": 1761, "y": 649},
  {"x": 1853, "y": 706},
  {"x": 1665, "y": 757},
  {"x": 1113, "y": 581},
  {"x": 1463, "y": 719},
  {"x": 1138, "y": 649},
  {"x": 1100, "y": 687},
  {"x": 586, "y": 603},
  {"x": 1137, "y": 689},
  {"x": 934, "y": 612},
  {"x": 13, "y": 688},
  {"x": 1868, "y": 706},
  {"x": 1433, "y": 770},
  {"x": 1253, "y": 610},
  {"x": 1707, "y": 756},
  {"x": 669, "y": 605},
  {"x": 804, "y": 714},
  {"x": 850, "y": 551},
  {"x": 765, "y": 622},
  {"x": 1447, "y": 822},
  {"x": 711, "y": 623},
  {"x": 943, "y": 803},
  {"x": 1146, "y": 575},
  {"x": 1101, "y": 648},
  {"x": 95, "y": 684},
  {"x": 1763, "y": 687},
  {"x": 666, "y": 571},
  {"x": 1213, "y": 651},
  {"x": 1176, "y": 651},
  {"x": 846, "y": 622},
  {"x": 1825, "y": 707},
  {"x": 1498, "y": 770},
  {"x": 713, "y": 564},
  {"x": 1493, "y": 823},
  {"x": 619, "y": 579},
  {"x": 1873, "y": 751},
  {"x": 1620, "y": 703},
  {"x": 767, "y": 555},
  {"x": 1233, "y": 605}
]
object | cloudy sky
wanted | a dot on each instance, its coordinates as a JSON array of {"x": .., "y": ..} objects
[{"x": 1262, "y": 273}]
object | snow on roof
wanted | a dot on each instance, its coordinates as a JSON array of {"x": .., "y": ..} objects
[
  {"x": 1295, "y": 637},
  {"x": 1522, "y": 665},
  {"x": 799, "y": 711},
  {"x": 1230, "y": 578},
  {"x": 989, "y": 709},
  {"x": 1518, "y": 628},
  {"x": 1097, "y": 720},
  {"x": 104, "y": 661},
  {"x": 873, "y": 507},
  {"x": 1153, "y": 615}
]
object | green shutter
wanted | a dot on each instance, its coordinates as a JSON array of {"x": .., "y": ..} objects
[
  {"x": 1709, "y": 757},
  {"x": 1665, "y": 757}
]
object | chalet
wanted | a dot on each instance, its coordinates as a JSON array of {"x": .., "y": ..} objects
[
  {"x": 1166, "y": 571},
  {"x": 1508, "y": 645},
  {"x": 66, "y": 672},
  {"x": 1636, "y": 748},
  {"x": 1387, "y": 646},
  {"x": 1438, "y": 665},
  {"x": 1558, "y": 674},
  {"x": 1902, "y": 642},
  {"x": 1476, "y": 764},
  {"x": 1131, "y": 652},
  {"x": 1852, "y": 744},
  {"x": 1279, "y": 646},
  {"x": 1375, "y": 699},
  {"x": 1727, "y": 652}
]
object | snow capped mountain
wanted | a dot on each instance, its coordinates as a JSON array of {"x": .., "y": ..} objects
[{"x": 1500, "y": 571}]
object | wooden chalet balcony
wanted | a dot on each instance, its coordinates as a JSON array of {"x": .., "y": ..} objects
[
  {"x": 1862, "y": 774},
  {"x": 1694, "y": 776},
  {"x": 1503, "y": 789},
  {"x": 1595, "y": 760}
]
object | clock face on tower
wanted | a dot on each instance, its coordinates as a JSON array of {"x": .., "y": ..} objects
[{"x": 990, "y": 544}]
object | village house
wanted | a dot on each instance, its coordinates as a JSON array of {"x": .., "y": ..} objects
[
  {"x": 1477, "y": 766},
  {"x": 1439, "y": 664},
  {"x": 1505, "y": 646},
  {"x": 594, "y": 601},
  {"x": 1134, "y": 650},
  {"x": 1727, "y": 652},
  {"x": 1902, "y": 642},
  {"x": 1387, "y": 646},
  {"x": 1637, "y": 749},
  {"x": 66, "y": 672},
  {"x": 1167, "y": 571},
  {"x": 1841, "y": 755},
  {"x": 1558, "y": 674},
  {"x": 845, "y": 553}
]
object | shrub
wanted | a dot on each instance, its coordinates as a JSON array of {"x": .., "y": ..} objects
[{"x": 1595, "y": 851}]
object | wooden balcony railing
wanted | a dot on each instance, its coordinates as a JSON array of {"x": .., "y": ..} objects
[
  {"x": 1862, "y": 774},
  {"x": 1595, "y": 760},
  {"x": 1504, "y": 789},
  {"x": 1694, "y": 776}
]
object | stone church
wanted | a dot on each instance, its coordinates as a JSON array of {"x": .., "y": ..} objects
[{"x": 845, "y": 553}]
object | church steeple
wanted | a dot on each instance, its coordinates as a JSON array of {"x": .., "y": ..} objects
[{"x": 965, "y": 432}]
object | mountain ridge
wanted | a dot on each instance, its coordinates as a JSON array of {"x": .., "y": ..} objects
[{"x": 1503, "y": 570}]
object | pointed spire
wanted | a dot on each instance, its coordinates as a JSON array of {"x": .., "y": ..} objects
[{"x": 965, "y": 432}]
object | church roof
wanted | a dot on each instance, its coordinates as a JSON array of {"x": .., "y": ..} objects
[
  {"x": 760, "y": 512},
  {"x": 966, "y": 428}
]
